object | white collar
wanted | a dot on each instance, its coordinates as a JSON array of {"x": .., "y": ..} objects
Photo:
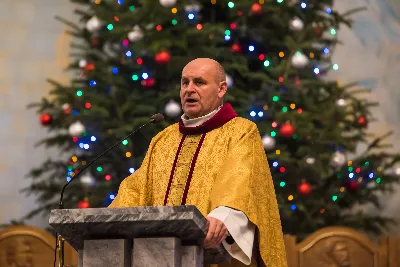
[{"x": 200, "y": 120}]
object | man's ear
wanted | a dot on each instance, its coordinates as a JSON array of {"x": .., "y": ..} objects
[{"x": 223, "y": 87}]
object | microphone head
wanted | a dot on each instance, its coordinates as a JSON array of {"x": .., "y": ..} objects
[{"x": 156, "y": 118}]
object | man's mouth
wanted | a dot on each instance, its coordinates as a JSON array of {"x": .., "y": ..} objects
[{"x": 191, "y": 100}]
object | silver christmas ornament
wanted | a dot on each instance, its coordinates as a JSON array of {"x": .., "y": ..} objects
[
  {"x": 229, "y": 80},
  {"x": 136, "y": 34},
  {"x": 299, "y": 60},
  {"x": 296, "y": 24},
  {"x": 93, "y": 24},
  {"x": 310, "y": 160},
  {"x": 173, "y": 109},
  {"x": 338, "y": 159},
  {"x": 76, "y": 129},
  {"x": 167, "y": 3},
  {"x": 268, "y": 142}
]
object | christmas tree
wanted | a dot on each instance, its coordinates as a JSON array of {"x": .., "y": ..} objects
[{"x": 127, "y": 64}]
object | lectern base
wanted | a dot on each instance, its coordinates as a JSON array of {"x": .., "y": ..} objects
[{"x": 146, "y": 252}]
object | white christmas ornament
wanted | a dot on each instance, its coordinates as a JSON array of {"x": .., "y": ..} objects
[
  {"x": 268, "y": 141},
  {"x": 192, "y": 8},
  {"x": 87, "y": 180},
  {"x": 341, "y": 102},
  {"x": 338, "y": 160},
  {"x": 93, "y": 24},
  {"x": 299, "y": 60},
  {"x": 310, "y": 160},
  {"x": 76, "y": 129},
  {"x": 172, "y": 109},
  {"x": 229, "y": 80},
  {"x": 167, "y": 3},
  {"x": 136, "y": 34},
  {"x": 296, "y": 24},
  {"x": 65, "y": 106},
  {"x": 82, "y": 63}
]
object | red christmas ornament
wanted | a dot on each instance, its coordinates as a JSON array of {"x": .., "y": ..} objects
[
  {"x": 45, "y": 119},
  {"x": 318, "y": 31},
  {"x": 163, "y": 58},
  {"x": 304, "y": 188},
  {"x": 287, "y": 130},
  {"x": 89, "y": 67},
  {"x": 256, "y": 8},
  {"x": 84, "y": 204},
  {"x": 149, "y": 82},
  {"x": 236, "y": 48},
  {"x": 67, "y": 109},
  {"x": 352, "y": 186},
  {"x": 362, "y": 121}
]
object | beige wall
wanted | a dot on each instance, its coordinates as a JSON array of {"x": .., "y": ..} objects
[
  {"x": 34, "y": 47},
  {"x": 371, "y": 54}
]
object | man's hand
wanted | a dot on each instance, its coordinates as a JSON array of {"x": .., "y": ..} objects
[{"x": 217, "y": 233}]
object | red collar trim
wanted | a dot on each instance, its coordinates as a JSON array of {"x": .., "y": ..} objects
[{"x": 225, "y": 114}]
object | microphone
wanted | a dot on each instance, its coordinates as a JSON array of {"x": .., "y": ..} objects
[{"x": 156, "y": 118}]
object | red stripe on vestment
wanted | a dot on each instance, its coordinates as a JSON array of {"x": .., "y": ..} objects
[
  {"x": 196, "y": 154},
  {"x": 171, "y": 177}
]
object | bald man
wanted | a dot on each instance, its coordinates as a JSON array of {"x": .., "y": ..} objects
[{"x": 214, "y": 160}]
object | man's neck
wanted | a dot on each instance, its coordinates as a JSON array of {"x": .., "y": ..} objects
[{"x": 200, "y": 120}]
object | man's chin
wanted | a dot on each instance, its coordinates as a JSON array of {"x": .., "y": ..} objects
[{"x": 192, "y": 113}]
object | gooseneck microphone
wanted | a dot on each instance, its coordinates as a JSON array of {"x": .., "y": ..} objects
[{"x": 157, "y": 118}]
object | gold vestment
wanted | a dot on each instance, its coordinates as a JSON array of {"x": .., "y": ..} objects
[{"x": 224, "y": 166}]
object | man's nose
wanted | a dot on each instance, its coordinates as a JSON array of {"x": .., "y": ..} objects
[{"x": 191, "y": 87}]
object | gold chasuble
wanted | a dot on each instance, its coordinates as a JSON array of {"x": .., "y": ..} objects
[{"x": 219, "y": 163}]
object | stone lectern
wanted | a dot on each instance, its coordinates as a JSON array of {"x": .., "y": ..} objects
[{"x": 137, "y": 237}]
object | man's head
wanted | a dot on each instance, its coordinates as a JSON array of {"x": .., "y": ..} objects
[{"x": 203, "y": 85}]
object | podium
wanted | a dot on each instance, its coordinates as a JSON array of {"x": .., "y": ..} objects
[{"x": 137, "y": 237}]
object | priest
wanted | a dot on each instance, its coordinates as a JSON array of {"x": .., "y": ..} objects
[{"x": 214, "y": 160}]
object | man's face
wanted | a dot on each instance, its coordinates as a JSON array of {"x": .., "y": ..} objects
[{"x": 201, "y": 92}]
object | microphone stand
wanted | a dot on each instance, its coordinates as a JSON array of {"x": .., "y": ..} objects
[{"x": 59, "y": 239}]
